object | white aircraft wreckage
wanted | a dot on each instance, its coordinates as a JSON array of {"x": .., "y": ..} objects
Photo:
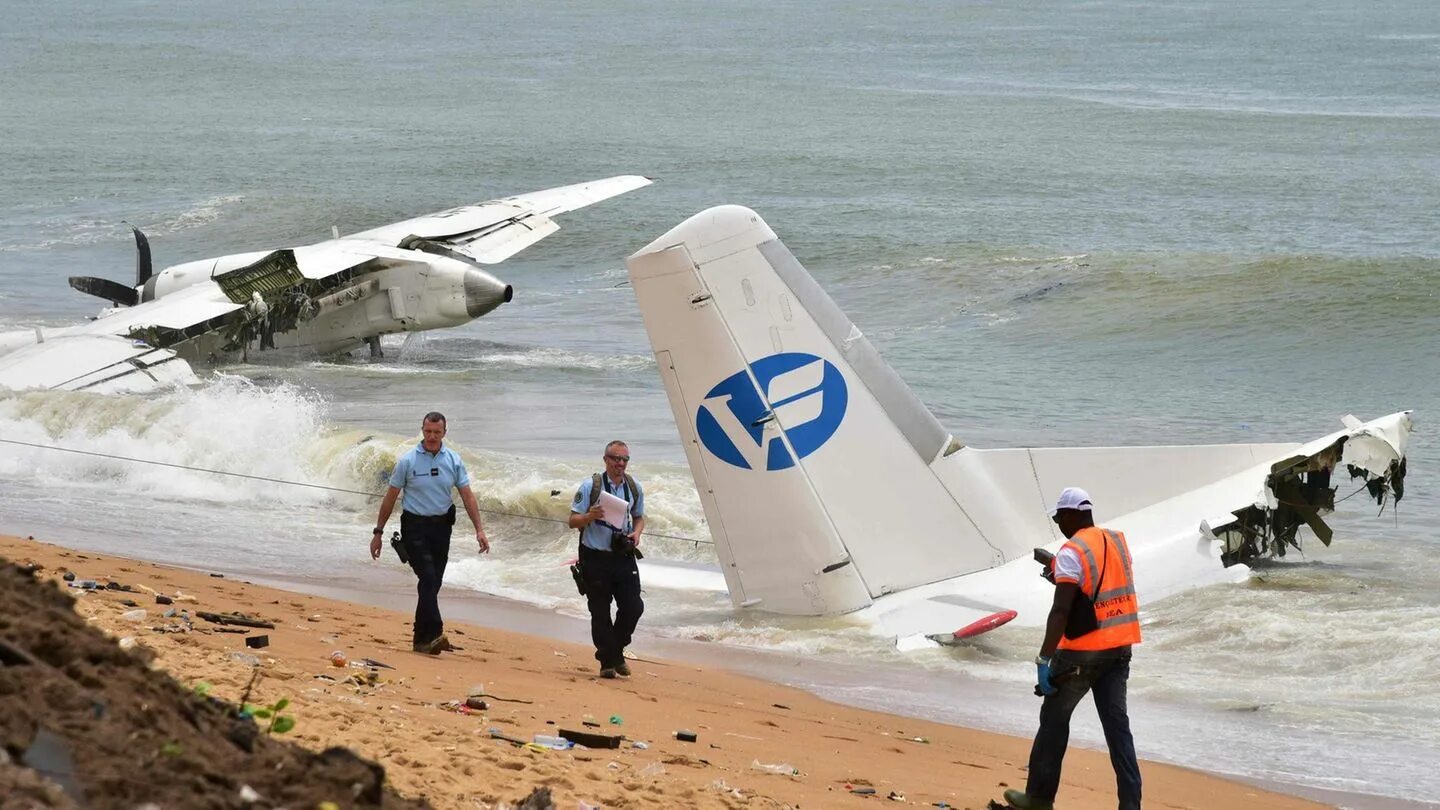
[
  {"x": 324, "y": 299},
  {"x": 775, "y": 393}
]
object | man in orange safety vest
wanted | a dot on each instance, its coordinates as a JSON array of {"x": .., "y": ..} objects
[{"x": 1093, "y": 622}]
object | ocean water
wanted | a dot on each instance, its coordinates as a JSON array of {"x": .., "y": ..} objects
[{"x": 1062, "y": 223}]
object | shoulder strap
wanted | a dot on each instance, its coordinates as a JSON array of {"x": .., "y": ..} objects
[
  {"x": 630, "y": 490},
  {"x": 596, "y": 487},
  {"x": 1104, "y": 558}
]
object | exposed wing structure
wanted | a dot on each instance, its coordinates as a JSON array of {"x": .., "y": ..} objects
[{"x": 776, "y": 393}]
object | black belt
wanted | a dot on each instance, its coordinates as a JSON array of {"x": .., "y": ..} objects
[{"x": 444, "y": 519}]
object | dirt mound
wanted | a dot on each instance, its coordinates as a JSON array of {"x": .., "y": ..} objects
[{"x": 105, "y": 730}]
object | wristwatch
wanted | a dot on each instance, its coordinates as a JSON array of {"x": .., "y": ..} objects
[
  {"x": 377, "y": 530},
  {"x": 1042, "y": 660}
]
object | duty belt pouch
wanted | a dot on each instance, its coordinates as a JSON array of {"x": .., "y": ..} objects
[
  {"x": 579, "y": 577},
  {"x": 450, "y": 516},
  {"x": 398, "y": 543}
]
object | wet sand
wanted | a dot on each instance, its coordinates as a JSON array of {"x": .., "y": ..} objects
[{"x": 535, "y": 685}]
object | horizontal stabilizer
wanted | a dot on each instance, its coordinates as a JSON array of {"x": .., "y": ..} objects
[
  {"x": 945, "y": 619},
  {"x": 112, "y": 291}
]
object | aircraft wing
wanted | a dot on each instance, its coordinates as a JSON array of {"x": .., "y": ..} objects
[
  {"x": 491, "y": 232},
  {"x": 103, "y": 364},
  {"x": 123, "y": 351}
]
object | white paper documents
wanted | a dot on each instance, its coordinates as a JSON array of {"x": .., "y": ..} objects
[{"x": 615, "y": 509}]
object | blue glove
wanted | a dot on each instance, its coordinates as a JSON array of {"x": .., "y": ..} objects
[{"x": 1042, "y": 676}]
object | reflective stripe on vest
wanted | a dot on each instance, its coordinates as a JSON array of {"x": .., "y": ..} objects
[{"x": 1117, "y": 610}]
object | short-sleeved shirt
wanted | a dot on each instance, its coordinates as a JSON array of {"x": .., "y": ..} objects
[
  {"x": 1067, "y": 565},
  {"x": 426, "y": 479},
  {"x": 596, "y": 536}
]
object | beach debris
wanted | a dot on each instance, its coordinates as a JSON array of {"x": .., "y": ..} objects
[
  {"x": 641, "y": 744},
  {"x": 134, "y": 615},
  {"x": 85, "y": 584},
  {"x": 497, "y": 734},
  {"x": 653, "y": 769},
  {"x": 49, "y": 754},
  {"x": 477, "y": 690},
  {"x": 510, "y": 700},
  {"x": 684, "y": 735},
  {"x": 245, "y": 658},
  {"x": 558, "y": 743},
  {"x": 590, "y": 739},
  {"x": 896, "y": 796},
  {"x": 248, "y": 794},
  {"x": 476, "y": 703},
  {"x": 112, "y": 585},
  {"x": 371, "y": 662},
  {"x": 616, "y": 720},
  {"x": 127, "y": 643},
  {"x": 780, "y": 706},
  {"x": 234, "y": 618},
  {"x": 162, "y": 599},
  {"x": 862, "y": 791},
  {"x": 218, "y": 576},
  {"x": 68, "y": 576},
  {"x": 337, "y": 658},
  {"x": 129, "y": 603},
  {"x": 781, "y": 768},
  {"x": 257, "y": 642}
]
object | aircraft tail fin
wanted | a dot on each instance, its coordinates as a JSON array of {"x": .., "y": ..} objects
[{"x": 801, "y": 439}]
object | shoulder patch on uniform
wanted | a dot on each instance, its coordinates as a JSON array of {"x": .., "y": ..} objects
[{"x": 578, "y": 496}]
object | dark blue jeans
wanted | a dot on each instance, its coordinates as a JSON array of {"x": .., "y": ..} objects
[
  {"x": 611, "y": 576},
  {"x": 1106, "y": 679},
  {"x": 428, "y": 545}
]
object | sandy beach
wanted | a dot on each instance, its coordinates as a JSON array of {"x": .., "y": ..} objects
[{"x": 756, "y": 743}]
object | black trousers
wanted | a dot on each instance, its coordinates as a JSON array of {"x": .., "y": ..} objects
[
  {"x": 611, "y": 577},
  {"x": 428, "y": 544},
  {"x": 1106, "y": 680}
]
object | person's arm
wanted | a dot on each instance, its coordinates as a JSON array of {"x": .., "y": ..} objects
[
  {"x": 1054, "y": 627},
  {"x": 387, "y": 505},
  {"x": 467, "y": 496},
  {"x": 579, "y": 519},
  {"x": 1059, "y": 614},
  {"x": 637, "y": 514}
]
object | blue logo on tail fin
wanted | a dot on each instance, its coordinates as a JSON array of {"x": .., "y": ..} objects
[{"x": 807, "y": 395}]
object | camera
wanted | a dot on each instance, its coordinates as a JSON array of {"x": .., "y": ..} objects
[
  {"x": 1047, "y": 563},
  {"x": 620, "y": 543}
]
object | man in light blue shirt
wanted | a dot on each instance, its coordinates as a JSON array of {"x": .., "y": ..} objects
[
  {"x": 607, "y": 559},
  {"x": 426, "y": 474}
]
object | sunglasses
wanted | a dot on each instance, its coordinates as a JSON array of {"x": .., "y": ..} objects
[{"x": 618, "y": 459}]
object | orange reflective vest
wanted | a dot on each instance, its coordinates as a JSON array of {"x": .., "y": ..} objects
[{"x": 1104, "y": 555}]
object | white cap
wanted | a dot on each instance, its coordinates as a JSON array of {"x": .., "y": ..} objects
[{"x": 1072, "y": 498}]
